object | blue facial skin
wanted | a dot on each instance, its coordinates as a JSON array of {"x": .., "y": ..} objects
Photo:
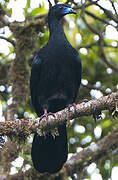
[{"x": 68, "y": 10}]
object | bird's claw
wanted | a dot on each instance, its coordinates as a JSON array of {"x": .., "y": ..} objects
[
  {"x": 72, "y": 105},
  {"x": 46, "y": 115}
]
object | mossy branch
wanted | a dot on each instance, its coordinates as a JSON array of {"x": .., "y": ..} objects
[
  {"x": 78, "y": 160},
  {"x": 28, "y": 126}
]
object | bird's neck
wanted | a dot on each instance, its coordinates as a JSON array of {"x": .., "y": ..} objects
[{"x": 56, "y": 30}]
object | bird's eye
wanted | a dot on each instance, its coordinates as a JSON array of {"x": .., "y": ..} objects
[{"x": 60, "y": 7}]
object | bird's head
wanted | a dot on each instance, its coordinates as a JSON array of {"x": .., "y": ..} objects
[{"x": 59, "y": 10}]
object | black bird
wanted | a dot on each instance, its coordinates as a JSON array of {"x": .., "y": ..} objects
[{"x": 55, "y": 79}]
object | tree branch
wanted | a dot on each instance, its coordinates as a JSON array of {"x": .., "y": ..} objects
[
  {"x": 50, "y": 4},
  {"x": 27, "y": 126},
  {"x": 101, "y": 43},
  {"x": 104, "y": 59},
  {"x": 3, "y": 19},
  {"x": 85, "y": 5},
  {"x": 98, "y": 18},
  {"x": 89, "y": 46},
  {"x": 108, "y": 13},
  {"x": 9, "y": 40},
  {"x": 79, "y": 160},
  {"x": 114, "y": 7},
  {"x": 93, "y": 30},
  {"x": 93, "y": 152}
]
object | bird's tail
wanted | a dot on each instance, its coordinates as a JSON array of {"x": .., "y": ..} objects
[{"x": 50, "y": 153}]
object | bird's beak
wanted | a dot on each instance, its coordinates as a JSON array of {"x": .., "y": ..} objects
[
  {"x": 71, "y": 11},
  {"x": 68, "y": 10}
]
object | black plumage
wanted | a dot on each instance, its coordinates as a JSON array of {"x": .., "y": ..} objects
[{"x": 55, "y": 79}]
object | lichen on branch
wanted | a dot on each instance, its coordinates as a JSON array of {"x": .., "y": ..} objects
[{"x": 28, "y": 126}]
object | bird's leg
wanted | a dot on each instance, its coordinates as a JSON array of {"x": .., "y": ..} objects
[{"x": 46, "y": 114}]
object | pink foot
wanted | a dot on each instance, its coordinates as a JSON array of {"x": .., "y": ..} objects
[{"x": 46, "y": 114}]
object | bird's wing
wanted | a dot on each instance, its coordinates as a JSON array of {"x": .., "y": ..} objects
[
  {"x": 35, "y": 77},
  {"x": 78, "y": 73},
  {"x": 79, "y": 68}
]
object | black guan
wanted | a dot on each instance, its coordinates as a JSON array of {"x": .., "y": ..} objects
[{"x": 54, "y": 83}]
